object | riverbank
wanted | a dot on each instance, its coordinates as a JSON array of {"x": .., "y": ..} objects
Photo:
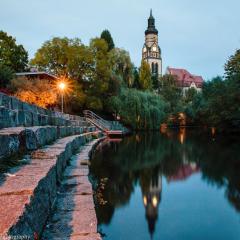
[
  {"x": 30, "y": 196},
  {"x": 73, "y": 215}
]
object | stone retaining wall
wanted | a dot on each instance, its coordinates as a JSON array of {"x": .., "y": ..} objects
[
  {"x": 14, "y": 113},
  {"x": 73, "y": 215},
  {"x": 27, "y": 197}
]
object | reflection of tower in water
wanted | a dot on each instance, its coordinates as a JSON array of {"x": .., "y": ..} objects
[{"x": 151, "y": 200}]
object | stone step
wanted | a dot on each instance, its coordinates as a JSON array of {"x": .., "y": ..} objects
[
  {"x": 27, "y": 196},
  {"x": 16, "y": 139},
  {"x": 73, "y": 215}
]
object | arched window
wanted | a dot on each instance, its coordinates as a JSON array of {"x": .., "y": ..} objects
[{"x": 156, "y": 68}]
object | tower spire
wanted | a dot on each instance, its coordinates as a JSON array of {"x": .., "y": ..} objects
[{"x": 151, "y": 25}]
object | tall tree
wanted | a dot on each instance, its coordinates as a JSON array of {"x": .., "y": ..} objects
[
  {"x": 12, "y": 55},
  {"x": 145, "y": 77},
  {"x": 98, "y": 88},
  {"x": 171, "y": 93},
  {"x": 232, "y": 67},
  {"x": 64, "y": 57},
  {"x": 122, "y": 65},
  {"x": 106, "y": 35},
  {"x": 136, "y": 83}
]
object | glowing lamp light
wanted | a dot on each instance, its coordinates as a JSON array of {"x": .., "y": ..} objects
[
  {"x": 145, "y": 200},
  {"x": 62, "y": 86},
  {"x": 155, "y": 201}
]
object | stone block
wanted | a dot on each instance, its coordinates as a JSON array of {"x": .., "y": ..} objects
[
  {"x": 28, "y": 118},
  {"x": 43, "y": 120},
  {"x": 61, "y": 132},
  {"x": 9, "y": 145},
  {"x": 5, "y": 100},
  {"x": 35, "y": 119},
  {"x": 51, "y": 134},
  {"x": 16, "y": 104},
  {"x": 5, "y": 117},
  {"x": 28, "y": 140},
  {"x": 41, "y": 136}
]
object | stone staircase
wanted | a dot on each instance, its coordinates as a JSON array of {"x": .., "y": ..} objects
[{"x": 29, "y": 190}]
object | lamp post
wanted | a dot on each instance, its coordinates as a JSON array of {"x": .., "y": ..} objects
[{"x": 62, "y": 86}]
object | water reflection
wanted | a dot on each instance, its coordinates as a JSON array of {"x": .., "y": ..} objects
[
  {"x": 151, "y": 186},
  {"x": 144, "y": 160}
]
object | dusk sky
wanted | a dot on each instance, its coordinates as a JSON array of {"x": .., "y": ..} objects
[{"x": 196, "y": 35}]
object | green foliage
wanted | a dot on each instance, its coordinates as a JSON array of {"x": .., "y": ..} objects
[
  {"x": 136, "y": 82},
  {"x": 99, "y": 83},
  {"x": 12, "y": 55},
  {"x": 138, "y": 109},
  {"x": 232, "y": 67},
  {"x": 6, "y": 74},
  {"x": 145, "y": 77},
  {"x": 217, "y": 105},
  {"x": 190, "y": 95},
  {"x": 171, "y": 93},
  {"x": 122, "y": 65},
  {"x": 98, "y": 72},
  {"x": 155, "y": 82},
  {"x": 106, "y": 35},
  {"x": 64, "y": 57}
]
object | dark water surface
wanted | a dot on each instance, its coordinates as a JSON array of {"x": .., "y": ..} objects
[{"x": 178, "y": 185}]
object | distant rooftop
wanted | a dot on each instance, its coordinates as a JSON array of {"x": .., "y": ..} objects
[
  {"x": 36, "y": 74},
  {"x": 185, "y": 78}
]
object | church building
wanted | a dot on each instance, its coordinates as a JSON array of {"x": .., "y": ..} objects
[{"x": 151, "y": 51}]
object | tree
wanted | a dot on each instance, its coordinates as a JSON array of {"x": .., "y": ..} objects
[
  {"x": 232, "y": 67},
  {"x": 136, "y": 82},
  {"x": 122, "y": 65},
  {"x": 6, "y": 74},
  {"x": 171, "y": 93},
  {"x": 155, "y": 82},
  {"x": 190, "y": 95},
  {"x": 106, "y": 35},
  {"x": 65, "y": 57},
  {"x": 12, "y": 55},
  {"x": 98, "y": 88},
  {"x": 145, "y": 76},
  {"x": 138, "y": 109}
]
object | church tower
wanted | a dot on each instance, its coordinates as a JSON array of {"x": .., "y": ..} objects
[{"x": 151, "y": 51}]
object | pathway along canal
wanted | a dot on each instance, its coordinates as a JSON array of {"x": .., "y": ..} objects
[{"x": 178, "y": 185}]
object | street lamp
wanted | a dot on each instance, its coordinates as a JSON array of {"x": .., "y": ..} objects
[{"x": 62, "y": 87}]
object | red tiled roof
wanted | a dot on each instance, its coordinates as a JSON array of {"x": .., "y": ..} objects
[{"x": 185, "y": 78}]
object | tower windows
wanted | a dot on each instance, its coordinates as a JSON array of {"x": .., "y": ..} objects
[{"x": 154, "y": 68}]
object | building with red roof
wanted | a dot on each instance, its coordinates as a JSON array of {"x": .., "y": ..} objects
[{"x": 185, "y": 79}]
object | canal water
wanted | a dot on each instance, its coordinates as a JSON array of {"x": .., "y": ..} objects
[{"x": 180, "y": 185}]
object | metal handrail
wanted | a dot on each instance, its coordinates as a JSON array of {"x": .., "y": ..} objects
[{"x": 97, "y": 120}]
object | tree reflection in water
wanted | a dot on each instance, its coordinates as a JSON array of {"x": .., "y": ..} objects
[{"x": 144, "y": 158}]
